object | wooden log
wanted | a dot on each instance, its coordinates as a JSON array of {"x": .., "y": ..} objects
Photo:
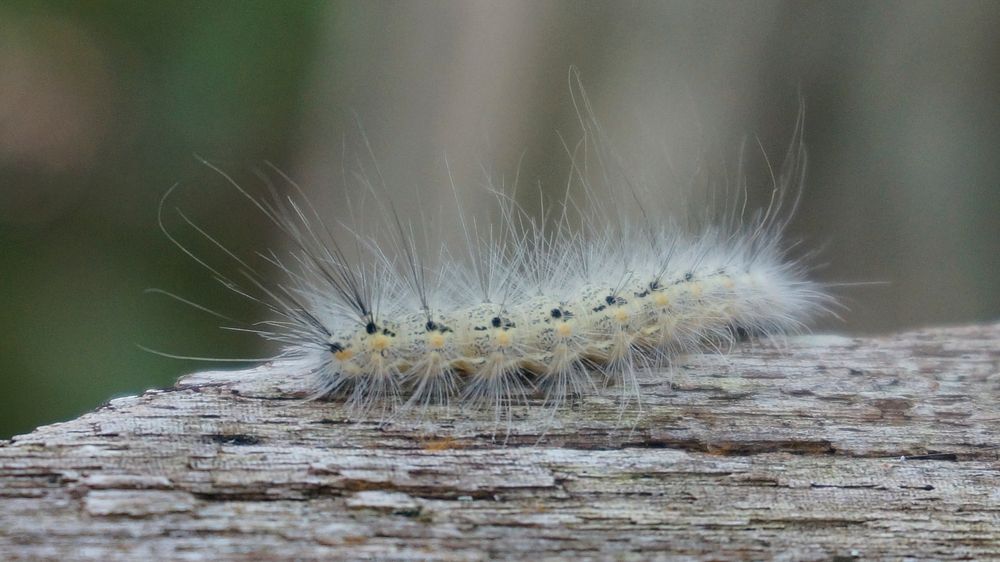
[{"x": 827, "y": 448}]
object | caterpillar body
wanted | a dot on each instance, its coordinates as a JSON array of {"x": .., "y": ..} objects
[{"x": 532, "y": 307}]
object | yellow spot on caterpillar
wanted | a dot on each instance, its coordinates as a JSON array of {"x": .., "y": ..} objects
[
  {"x": 696, "y": 289},
  {"x": 381, "y": 342},
  {"x": 503, "y": 339},
  {"x": 621, "y": 316},
  {"x": 728, "y": 282},
  {"x": 661, "y": 299},
  {"x": 564, "y": 330},
  {"x": 344, "y": 355},
  {"x": 436, "y": 341}
]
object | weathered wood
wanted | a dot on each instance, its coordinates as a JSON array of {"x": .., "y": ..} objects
[{"x": 829, "y": 448}]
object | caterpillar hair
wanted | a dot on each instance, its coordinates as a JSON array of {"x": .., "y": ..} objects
[{"x": 528, "y": 307}]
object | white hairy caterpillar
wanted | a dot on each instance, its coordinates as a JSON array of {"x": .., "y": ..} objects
[{"x": 530, "y": 307}]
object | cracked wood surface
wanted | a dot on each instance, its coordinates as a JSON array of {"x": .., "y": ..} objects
[{"x": 832, "y": 448}]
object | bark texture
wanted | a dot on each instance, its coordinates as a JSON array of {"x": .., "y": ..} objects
[{"x": 830, "y": 448}]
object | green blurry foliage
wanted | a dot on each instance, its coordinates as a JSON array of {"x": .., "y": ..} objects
[{"x": 136, "y": 89}]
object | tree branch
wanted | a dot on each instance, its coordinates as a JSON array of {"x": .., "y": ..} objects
[{"x": 829, "y": 448}]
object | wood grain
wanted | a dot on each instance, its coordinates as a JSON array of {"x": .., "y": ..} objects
[{"x": 827, "y": 448}]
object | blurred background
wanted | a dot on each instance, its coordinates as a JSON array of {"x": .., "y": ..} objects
[{"x": 104, "y": 105}]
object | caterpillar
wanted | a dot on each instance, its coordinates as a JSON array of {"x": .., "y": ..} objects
[{"x": 531, "y": 307}]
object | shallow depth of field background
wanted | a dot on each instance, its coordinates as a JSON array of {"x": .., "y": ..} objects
[{"x": 103, "y": 106}]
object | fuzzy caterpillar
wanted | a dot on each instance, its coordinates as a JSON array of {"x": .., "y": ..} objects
[{"x": 551, "y": 305}]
